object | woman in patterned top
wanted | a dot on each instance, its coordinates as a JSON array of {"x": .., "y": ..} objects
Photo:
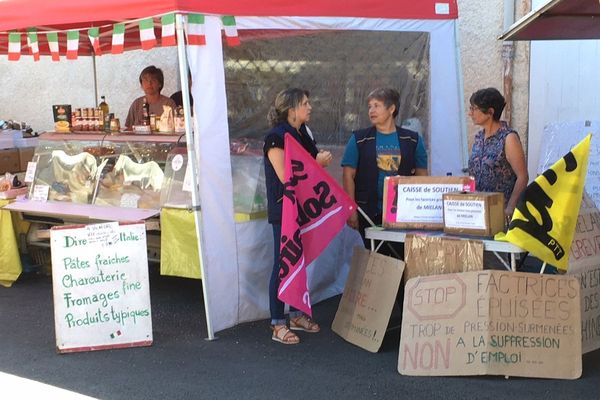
[{"x": 497, "y": 159}]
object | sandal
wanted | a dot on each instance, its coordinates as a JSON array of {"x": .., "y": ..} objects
[
  {"x": 304, "y": 323},
  {"x": 282, "y": 334}
]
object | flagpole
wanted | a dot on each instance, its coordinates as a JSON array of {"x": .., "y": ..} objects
[{"x": 370, "y": 221}]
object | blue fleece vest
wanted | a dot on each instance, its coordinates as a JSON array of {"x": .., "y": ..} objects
[
  {"x": 365, "y": 180},
  {"x": 272, "y": 182}
]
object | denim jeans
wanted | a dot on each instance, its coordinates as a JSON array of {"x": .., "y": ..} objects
[{"x": 277, "y": 306}]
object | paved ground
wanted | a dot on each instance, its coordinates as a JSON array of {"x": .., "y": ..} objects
[{"x": 243, "y": 363}]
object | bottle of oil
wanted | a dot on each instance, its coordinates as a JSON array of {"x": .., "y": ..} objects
[
  {"x": 104, "y": 106},
  {"x": 145, "y": 113},
  {"x": 104, "y": 117}
]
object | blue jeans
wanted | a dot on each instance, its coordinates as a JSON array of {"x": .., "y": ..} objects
[{"x": 277, "y": 306}]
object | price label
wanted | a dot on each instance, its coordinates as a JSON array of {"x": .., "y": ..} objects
[
  {"x": 40, "y": 193},
  {"x": 30, "y": 173},
  {"x": 130, "y": 200}
]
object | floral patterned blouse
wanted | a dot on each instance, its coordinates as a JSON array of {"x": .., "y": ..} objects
[{"x": 488, "y": 163}]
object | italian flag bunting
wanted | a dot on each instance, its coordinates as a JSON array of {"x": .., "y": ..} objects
[
  {"x": 118, "y": 38},
  {"x": 168, "y": 30},
  {"x": 231, "y": 34},
  {"x": 195, "y": 30},
  {"x": 94, "y": 35},
  {"x": 32, "y": 42},
  {"x": 147, "y": 33},
  {"x": 72, "y": 45},
  {"x": 52, "y": 38},
  {"x": 14, "y": 46}
]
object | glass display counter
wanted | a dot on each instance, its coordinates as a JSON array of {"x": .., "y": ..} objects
[
  {"x": 102, "y": 169},
  {"x": 248, "y": 178},
  {"x": 137, "y": 171}
]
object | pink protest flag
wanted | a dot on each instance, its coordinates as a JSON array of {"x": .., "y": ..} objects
[{"x": 315, "y": 209}]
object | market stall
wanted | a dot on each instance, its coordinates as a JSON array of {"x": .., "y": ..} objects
[{"x": 229, "y": 267}]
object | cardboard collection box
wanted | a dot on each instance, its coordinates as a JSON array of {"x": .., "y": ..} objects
[
  {"x": 415, "y": 202},
  {"x": 476, "y": 213},
  {"x": 9, "y": 161}
]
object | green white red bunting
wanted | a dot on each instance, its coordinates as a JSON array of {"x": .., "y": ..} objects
[
  {"x": 231, "y": 34},
  {"x": 32, "y": 42},
  {"x": 196, "y": 30},
  {"x": 94, "y": 35},
  {"x": 72, "y": 45},
  {"x": 52, "y": 38},
  {"x": 147, "y": 37},
  {"x": 14, "y": 46},
  {"x": 118, "y": 38},
  {"x": 168, "y": 30}
]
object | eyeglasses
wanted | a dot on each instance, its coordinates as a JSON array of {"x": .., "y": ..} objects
[{"x": 473, "y": 108}]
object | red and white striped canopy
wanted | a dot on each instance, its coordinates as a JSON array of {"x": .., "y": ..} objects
[{"x": 61, "y": 15}]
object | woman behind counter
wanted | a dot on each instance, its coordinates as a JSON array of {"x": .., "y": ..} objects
[
  {"x": 288, "y": 116},
  {"x": 152, "y": 81},
  {"x": 497, "y": 159}
]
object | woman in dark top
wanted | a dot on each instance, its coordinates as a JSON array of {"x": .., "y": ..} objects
[
  {"x": 288, "y": 116},
  {"x": 497, "y": 159}
]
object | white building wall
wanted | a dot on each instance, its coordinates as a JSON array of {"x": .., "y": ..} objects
[
  {"x": 480, "y": 24},
  {"x": 564, "y": 86},
  {"x": 28, "y": 89}
]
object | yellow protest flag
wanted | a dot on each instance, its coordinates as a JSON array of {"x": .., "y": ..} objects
[{"x": 544, "y": 219}]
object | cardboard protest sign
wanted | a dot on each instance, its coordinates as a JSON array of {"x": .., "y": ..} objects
[
  {"x": 584, "y": 264},
  {"x": 434, "y": 255},
  {"x": 100, "y": 286},
  {"x": 491, "y": 323},
  {"x": 366, "y": 305}
]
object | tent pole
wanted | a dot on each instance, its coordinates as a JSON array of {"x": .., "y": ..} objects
[
  {"x": 461, "y": 102},
  {"x": 192, "y": 161},
  {"x": 95, "y": 80}
]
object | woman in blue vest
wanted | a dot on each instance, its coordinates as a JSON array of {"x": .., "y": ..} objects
[
  {"x": 383, "y": 149},
  {"x": 288, "y": 116}
]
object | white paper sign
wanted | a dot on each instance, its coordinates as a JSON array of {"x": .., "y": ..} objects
[
  {"x": 423, "y": 202},
  {"x": 40, "y": 193},
  {"x": 105, "y": 234},
  {"x": 464, "y": 214},
  {"x": 30, "y": 173},
  {"x": 101, "y": 290},
  {"x": 560, "y": 137},
  {"x": 442, "y": 8},
  {"x": 129, "y": 200},
  {"x": 177, "y": 162}
]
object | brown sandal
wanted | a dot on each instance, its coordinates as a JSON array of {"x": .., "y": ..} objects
[
  {"x": 282, "y": 334},
  {"x": 304, "y": 323}
]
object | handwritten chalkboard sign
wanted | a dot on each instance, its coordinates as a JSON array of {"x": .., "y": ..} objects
[{"x": 100, "y": 285}]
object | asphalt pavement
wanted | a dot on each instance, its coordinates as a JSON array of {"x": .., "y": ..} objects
[{"x": 244, "y": 363}]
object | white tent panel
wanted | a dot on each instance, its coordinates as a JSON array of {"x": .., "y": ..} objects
[
  {"x": 235, "y": 262},
  {"x": 447, "y": 153},
  {"x": 567, "y": 88}
]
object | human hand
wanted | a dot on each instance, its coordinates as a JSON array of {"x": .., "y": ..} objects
[
  {"x": 508, "y": 214},
  {"x": 353, "y": 220},
  {"x": 324, "y": 158}
]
